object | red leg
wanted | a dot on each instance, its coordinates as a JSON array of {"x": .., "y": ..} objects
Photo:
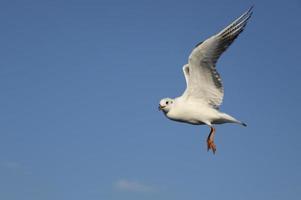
[{"x": 210, "y": 140}]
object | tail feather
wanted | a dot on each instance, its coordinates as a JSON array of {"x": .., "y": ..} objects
[
  {"x": 244, "y": 124},
  {"x": 230, "y": 119}
]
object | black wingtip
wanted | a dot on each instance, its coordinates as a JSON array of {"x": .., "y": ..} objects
[
  {"x": 251, "y": 7},
  {"x": 244, "y": 124},
  {"x": 250, "y": 10}
]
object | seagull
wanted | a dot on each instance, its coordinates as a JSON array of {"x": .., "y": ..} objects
[{"x": 199, "y": 104}]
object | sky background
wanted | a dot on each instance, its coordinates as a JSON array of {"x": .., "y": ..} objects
[{"x": 80, "y": 84}]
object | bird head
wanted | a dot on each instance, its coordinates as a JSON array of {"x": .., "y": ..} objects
[{"x": 166, "y": 104}]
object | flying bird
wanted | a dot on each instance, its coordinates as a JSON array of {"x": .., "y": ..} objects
[{"x": 199, "y": 104}]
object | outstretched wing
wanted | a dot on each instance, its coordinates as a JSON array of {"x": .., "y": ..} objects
[{"x": 203, "y": 81}]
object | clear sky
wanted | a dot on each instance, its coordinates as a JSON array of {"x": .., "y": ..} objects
[{"x": 80, "y": 84}]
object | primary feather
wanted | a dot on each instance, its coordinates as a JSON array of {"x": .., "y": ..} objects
[{"x": 202, "y": 79}]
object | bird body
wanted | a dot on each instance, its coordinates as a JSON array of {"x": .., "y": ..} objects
[
  {"x": 197, "y": 113},
  {"x": 199, "y": 104}
]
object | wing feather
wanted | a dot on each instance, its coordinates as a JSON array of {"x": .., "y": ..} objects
[
  {"x": 204, "y": 82},
  {"x": 186, "y": 75}
]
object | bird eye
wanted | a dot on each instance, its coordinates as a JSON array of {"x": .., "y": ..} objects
[{"x": 166, "y": 102}]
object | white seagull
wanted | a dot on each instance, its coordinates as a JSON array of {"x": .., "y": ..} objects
[{"x": 199, "y": 104}]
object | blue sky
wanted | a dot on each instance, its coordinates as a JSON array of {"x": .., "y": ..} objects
[{"x": 80, "y": 83}]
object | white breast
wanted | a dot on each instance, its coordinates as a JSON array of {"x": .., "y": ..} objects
[{"x": 192, "y": 112}]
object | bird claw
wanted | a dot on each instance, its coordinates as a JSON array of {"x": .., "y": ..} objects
[
  {"x": 211, "y": 145},
  {"x": 210, "y": 140}
]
